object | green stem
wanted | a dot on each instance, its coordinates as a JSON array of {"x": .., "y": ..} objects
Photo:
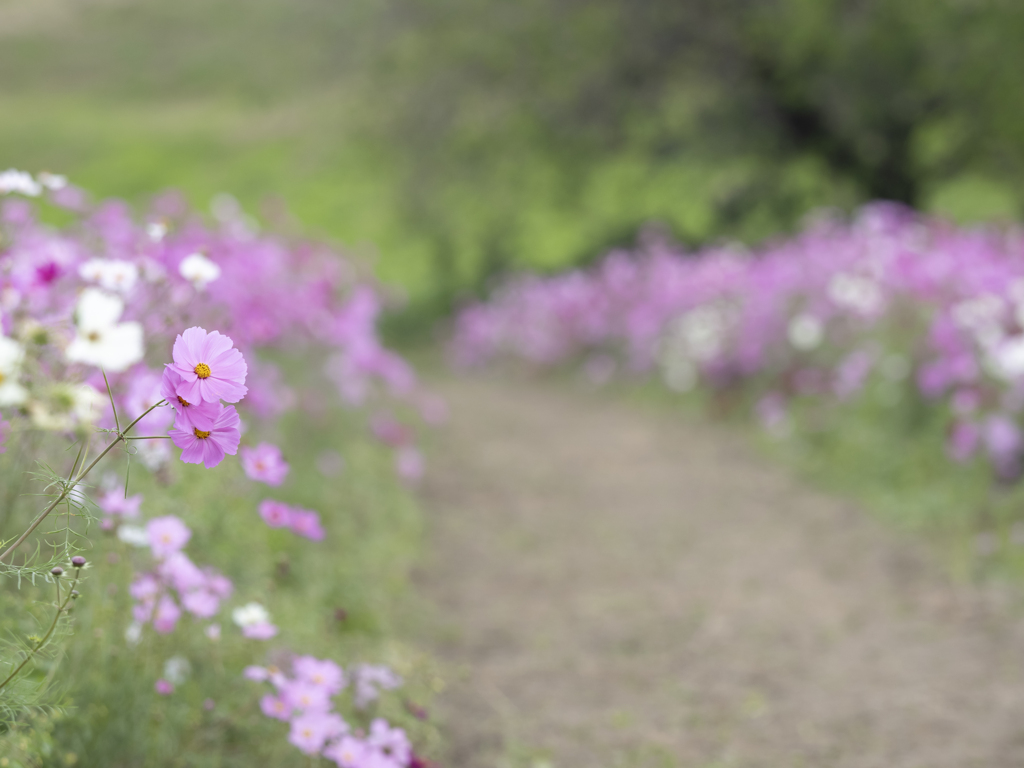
[
  {"x": 68, "y": 486},
  {"x": 53, "y": 625}
]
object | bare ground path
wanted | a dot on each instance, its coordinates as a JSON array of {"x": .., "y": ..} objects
[{"x": 627, "y": 588}]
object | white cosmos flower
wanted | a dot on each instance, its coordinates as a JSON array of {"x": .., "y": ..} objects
[
  {"x": 198, "y": 270},
  {"x": 133, "y": 535},
  {"x": 249, "y": 614},
  {"x": 133, "y": 634},
  {"x": 176, "y": 669},
  {"x": 11, "y": 356},
  {"x": 156, "y": 231},
  {"x": 1005, "y": 360},
  {"x": 21, "y": 182},
  {"x": 101, "y": 340},
  {"x": 53, "y": 181},
  {"x": 66, "y": 405},
  {"x": 805, "y": 332},
  {"x": 111, "y": 274}
]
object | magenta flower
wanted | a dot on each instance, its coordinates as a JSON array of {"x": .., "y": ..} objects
[
  {"x": 264, "y": 463},
  {"x": 167, "y": 535},
  {"x": 208, "y": 446},
  {"x": 256, "y": 674},
  {"x": 190, "y": 415},
  {"x": 211, "y": 368},
  {"x": 163, "y": 687},
  {"x": 306, "y": 523},
  {"x": 276, "y": 514}
]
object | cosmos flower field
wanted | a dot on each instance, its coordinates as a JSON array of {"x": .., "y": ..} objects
[
  {"x": 852, "y": 327},
  {"x": 205, "y": 520}
]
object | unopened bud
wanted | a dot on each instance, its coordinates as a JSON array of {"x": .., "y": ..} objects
[
  {"x": 57, "y": 571},
  {"x": 78, "y": 561},
  {"x": 74, "y": 594}
]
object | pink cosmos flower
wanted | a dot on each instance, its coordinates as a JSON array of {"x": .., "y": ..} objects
[
  {"x": 190, "y": 415},
  {"x": 305, "y": 696},
  {"x": 163, "y": 687},
  {"x": 263, "y": 630},
  {"x": 212, "y": 369},
  {"x": 276, "y": 514},
  {"x": 391, "y": 741},
  {"x": 348, "y": 752},
  {"x": 256, "y": 674},
  {"x": 324, "y": 673},
  {"x": 275, "y": 707},
  {"x": 264, "y": 463},
  {"x": 167, "y": 535},
  {"x": 306, "y": 523},
  {"x": 167, "y": 614},
  {"x": 114, "y": 503},
  {"x": 208, "y": 446},
  {"x": 310, "y": 732}
]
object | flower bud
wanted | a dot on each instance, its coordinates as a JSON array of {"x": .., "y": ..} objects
[
  {"x": 74, "y": 594},
  {"x": 78, "y": 561},
  {"x": 57, "y": 571}
]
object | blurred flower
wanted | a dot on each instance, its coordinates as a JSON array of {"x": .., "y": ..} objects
[
  {"x": 198, "y": 270},
  {"x": 310, "y": 732},
  {"x": 12, "y": 354},
  {"x": 167, "y": 535},
  {"x": 100, "y": 339},
  {"x": 111, "y": 274},
  {"x": 177, "y": 669},
  {"x": 805, "y": 332},
  {"x": 264, "y": 463},
  {"x": 163, "y": 687},
  {"x": 20, "y": 182}
]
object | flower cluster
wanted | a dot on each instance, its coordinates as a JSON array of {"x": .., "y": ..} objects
[
  {"x": 96, "y": 295},
  {"x": 177, "y": 584},
  {"x": 305, "y": 700},
  {"x": 303, "y": 522},
  {"x": 893, "y": 297}
]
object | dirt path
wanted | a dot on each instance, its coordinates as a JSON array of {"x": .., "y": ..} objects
[{"x": 623, "y": 588}]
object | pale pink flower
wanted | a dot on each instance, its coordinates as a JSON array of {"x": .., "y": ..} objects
[
  {"x": 115, "y": 503},
  {"x": 167, "y": 535},
  {"x": 348, "y": 752},
  {"x": 256, "y": 674},
  {"x": 306, "y": 696},
  {"x": 311, "y": 731},
  {"x": 163, "y": 687},
  {"x": 276, "y": 514},
  {"x": 263, "y": 630},
  {"x": 264, "y": 463},
  {"x": 275, "y": 707},
  {"x": 167, "y": 614},
  {"x": 211, "y": 367},
  {"x": 391, "y": 741},
  {"x": 324, "y": 673},
  {"x": 208, "y": 447},
  {"x": 306, "y": 523}
]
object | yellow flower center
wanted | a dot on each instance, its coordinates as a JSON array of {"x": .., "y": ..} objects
[
  {"x": 200, "y": 433},
  {"x": 1, "y": 377},
  {"x": 183, "y": 401},
  {"x": 93, "y": 336},
  {"x": 203, "y": 371}
]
